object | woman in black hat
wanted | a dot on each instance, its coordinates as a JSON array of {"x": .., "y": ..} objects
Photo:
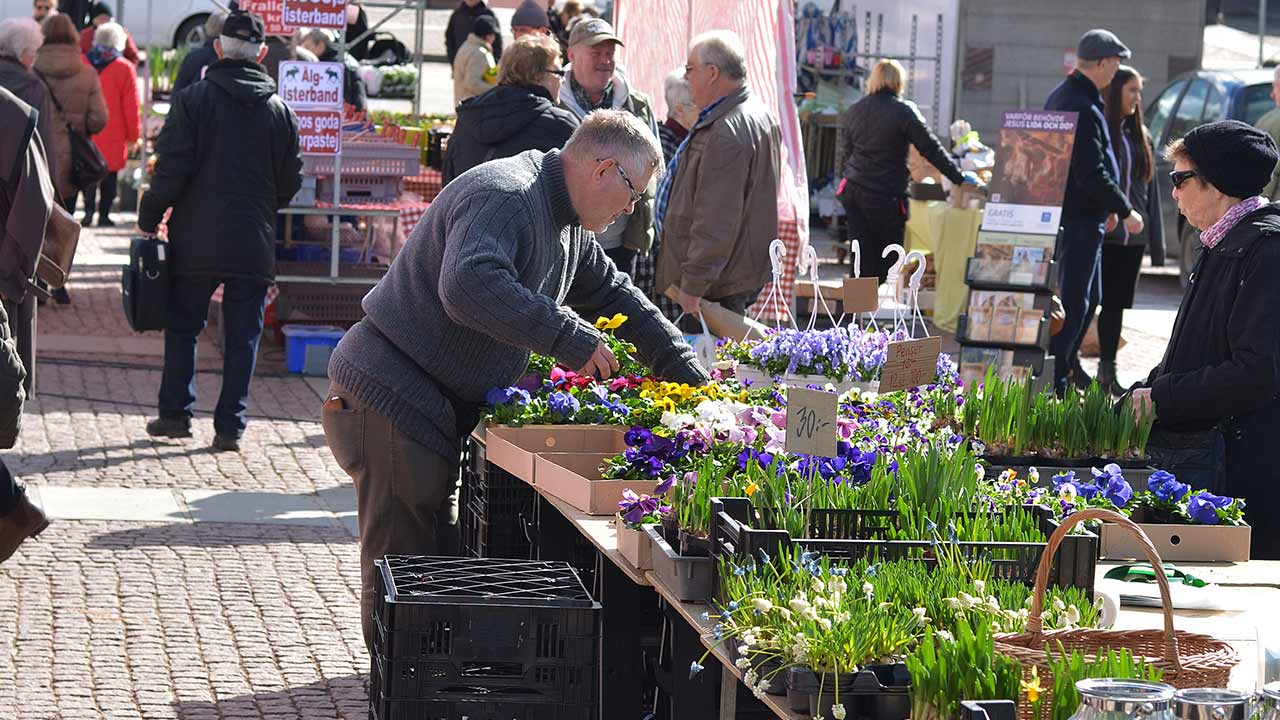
[{"x": 1216, "y": 394}]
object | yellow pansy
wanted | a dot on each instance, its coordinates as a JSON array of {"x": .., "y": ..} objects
[
  {"x": 612, "y": 323},
  {"x": 665, "y": 404}
]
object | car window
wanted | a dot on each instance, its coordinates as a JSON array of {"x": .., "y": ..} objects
[
  {"x": 1159, "y": 112},
  {"x": 1190, "y": 110},
  {"x": 1213, "y": 106},
  {"x": 1256, "y": 103}
]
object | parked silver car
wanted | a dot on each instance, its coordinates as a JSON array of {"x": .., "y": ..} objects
[
  {"x": 1189, "y": 100},
  {"x": 172, "y": 22}
]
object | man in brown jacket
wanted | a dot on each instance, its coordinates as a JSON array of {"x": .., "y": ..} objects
[
  {"x": 717, "y": 209},
  {"x": 26, "y": 199}
]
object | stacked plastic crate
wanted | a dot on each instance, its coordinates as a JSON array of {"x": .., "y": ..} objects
[{"x": 482, "y": 639}]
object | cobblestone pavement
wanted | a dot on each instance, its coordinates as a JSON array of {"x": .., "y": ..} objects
[{"x": 179, "y": 583}]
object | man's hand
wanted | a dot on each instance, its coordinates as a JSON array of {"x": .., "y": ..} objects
[
  {"x": 691, "y": 304},
  {"x": 1112, "y": 221},
  {"x": 1133, "y": 223},
  {"x": 602, "y": 363},
  {"x": 1142, "y": 403}
]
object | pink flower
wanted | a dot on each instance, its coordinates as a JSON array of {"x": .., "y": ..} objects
[{"x": 779, "y": 419}]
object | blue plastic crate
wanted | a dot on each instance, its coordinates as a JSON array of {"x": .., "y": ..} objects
[{"x": 298, "y": 338}]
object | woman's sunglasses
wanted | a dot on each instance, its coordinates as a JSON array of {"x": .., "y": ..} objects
[{"x": 1178, "y": 177}]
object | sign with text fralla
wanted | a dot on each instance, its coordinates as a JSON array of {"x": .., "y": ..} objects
[
  {"x": 910, "y": 363},
  {"x": 811, "y": 422},
  {"x": 269, "y": 11},
  {"x": 328, "y": 14}
]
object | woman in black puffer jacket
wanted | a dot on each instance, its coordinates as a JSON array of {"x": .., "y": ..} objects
[
  {"x": 519, "y": 114},
  {"x": 871, "y": 152}
]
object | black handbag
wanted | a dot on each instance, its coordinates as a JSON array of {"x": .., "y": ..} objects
[
  {"x": 88, "y": 167},
  {"x": 145, "y": 284}
]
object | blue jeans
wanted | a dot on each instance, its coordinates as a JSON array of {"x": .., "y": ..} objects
[
  {"x": 1080, "y": 258},
  {"x": 243, "y": 302}
]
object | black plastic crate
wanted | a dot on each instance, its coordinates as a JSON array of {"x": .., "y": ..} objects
[
  {"x": 496, "y": 510},
  {"x": 733, "y": 534},
  {"x": 486, "y": 710},
  {"x": 484, "y": 629}
]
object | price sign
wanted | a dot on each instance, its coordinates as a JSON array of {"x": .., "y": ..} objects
[
  {"x": 861, "y": 295},
  {"x": 811, "y": 422},
  {"x": 910, "y": 363},
  {"x": 320, "y": 131},
  {"x": 311, "y": 85},
  {"x": 331, "y": 14},
  {"x": 269, "y": 11}
]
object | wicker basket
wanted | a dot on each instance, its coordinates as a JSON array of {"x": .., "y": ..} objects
[{"x": 1186, "y": 660}]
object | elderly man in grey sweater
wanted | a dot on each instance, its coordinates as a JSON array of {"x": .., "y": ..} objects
[{"x": 484, "y": 280}]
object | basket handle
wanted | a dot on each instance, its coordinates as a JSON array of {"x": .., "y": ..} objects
[{"x": 1035, "y": 623}]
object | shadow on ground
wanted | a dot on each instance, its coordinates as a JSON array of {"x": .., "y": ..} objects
[
  {"x": 343, "y": 697},
  {"x": 216, "y": 534}
]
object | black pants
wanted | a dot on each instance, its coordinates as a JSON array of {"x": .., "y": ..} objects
[
  {"x": 876, "y": 221},
  {"x": 106, "y": 197},
  {"x": 22, "y": 323},
  {"x": 10, "y": 493},
  {"x": 1080, "y": 288},
  {"x": 1121, "y": 265}
]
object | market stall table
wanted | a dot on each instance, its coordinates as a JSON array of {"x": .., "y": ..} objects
[{"x": 950, "y": 235}]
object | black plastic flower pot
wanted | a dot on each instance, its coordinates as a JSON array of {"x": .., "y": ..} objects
[
  {"x": 689, "y": 579},
  {"x": 694, "y": 546},
  {"x": 832, "y": 689},
  {"x": 770, "y": 669},
  {"x": 800, "y": 682}
]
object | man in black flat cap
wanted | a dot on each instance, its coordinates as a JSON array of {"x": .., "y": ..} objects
[
  {"x": 1216, "y": 393},
  {"x": 1094, "y": 201},
  {"x": 228, "y": 160}
]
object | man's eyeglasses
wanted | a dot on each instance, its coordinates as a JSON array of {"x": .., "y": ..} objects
[
  {"x": 635, "y": 196},
  {"x": 1178, "y": 177},
  {"x": 557, "y": 72}
]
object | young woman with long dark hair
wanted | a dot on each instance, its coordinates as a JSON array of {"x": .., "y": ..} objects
[{"x": 1121, "y": 250}]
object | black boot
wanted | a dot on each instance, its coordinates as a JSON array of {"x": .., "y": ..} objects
[
  {"x": 1080, "y": 379},
  {"x": 1107, "y": 377}
]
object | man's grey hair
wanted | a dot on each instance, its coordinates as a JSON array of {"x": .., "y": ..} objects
[
  {"x": 724, "y": 49},
  {"x": 319, "y": 37},
  {"x": 676, "y": 90},
  {"x": 19, "y": 36},
  {"x": 110, "y": 34},
  {"x": 213, "y": 26},
  {"x": 237, "y": 49},
  {"x": 619, "y": 135}
]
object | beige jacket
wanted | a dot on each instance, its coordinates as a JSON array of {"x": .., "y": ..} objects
[
  {"x": 474, "y": 70},
  {"x": 723, "y": 209},
  {"x": 76, "y": 88}
]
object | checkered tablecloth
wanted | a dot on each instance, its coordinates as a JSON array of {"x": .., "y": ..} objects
[
  {"x": 410, "y": 213},
  {"x": 779, "y": 309},
  {"x": 427, "y": 184}
]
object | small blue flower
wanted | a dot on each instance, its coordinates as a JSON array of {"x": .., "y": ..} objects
[
  {"x": 764, "y": 556},
  {"x": 1165, "y": 486},
  {"x": 695, "y": 668},
  {"x": 1203, "y": 507},
  {"x": 563, "y": 404}
]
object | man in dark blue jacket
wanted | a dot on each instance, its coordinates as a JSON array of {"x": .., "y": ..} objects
[
  {"x": 1094, "y": 201},
  {"x": 228, "y": 160}
]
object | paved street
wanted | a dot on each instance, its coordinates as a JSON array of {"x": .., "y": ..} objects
[{"x": 176, "y": 583}]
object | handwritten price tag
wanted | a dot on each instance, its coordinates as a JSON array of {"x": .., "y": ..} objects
[
  {"x": 910, "y": 363},
  {"x": 811, "y": 422},
  {"x": 861, "y": 295}
]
